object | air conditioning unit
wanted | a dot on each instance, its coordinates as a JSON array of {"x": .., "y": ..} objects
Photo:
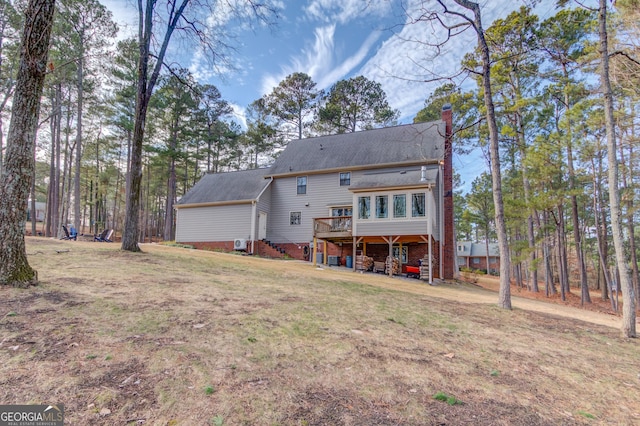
[{"x": 240, "y": 244}]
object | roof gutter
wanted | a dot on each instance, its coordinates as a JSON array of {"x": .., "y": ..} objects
[{"x": 216, "y": 203}]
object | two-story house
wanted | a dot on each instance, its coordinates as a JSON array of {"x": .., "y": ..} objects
[{"x": 377, "y": 192}]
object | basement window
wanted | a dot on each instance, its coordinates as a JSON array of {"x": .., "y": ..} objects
[{"x": 295, "y": 218}]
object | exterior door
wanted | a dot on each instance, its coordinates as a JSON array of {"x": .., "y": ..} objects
[{"x": 262, "y": 226}]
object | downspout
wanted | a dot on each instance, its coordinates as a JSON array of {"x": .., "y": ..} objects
[
  {"x": 442, "y": 231},
  {"x": 254, "y": 208}
]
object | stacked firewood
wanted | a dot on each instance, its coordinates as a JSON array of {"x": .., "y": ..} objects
[
  {"x": 424, "y": 268},
  {"x": 393, "y": 264},
  {"x": 364, "y": 263}
]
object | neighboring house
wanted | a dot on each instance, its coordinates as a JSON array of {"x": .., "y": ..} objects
[
  {"x": 40, "y": 211},
  {"x": 475, "y": 256},
  {"x": 375, "y": 192}
]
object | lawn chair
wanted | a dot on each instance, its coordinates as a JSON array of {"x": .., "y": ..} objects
[
  {"x": 100, "y": 236},
  {"x": 104, "y": 236},
  {"x": 73, "y": 235}
]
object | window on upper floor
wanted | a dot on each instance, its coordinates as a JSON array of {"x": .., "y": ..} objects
[
  {"x": 400, "y": 205},
  {"x": 418, "y": 205},
  {"x": 295, "y": 218},
  {"x": 364, "y": 207},
  {"x": 302, "y": 185},
  {"x": 345, "y": 179},
  {"x": 382, "y": 206}
]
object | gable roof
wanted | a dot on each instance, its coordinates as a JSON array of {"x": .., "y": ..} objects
[
  {"x": 418, "y": 143},
  {"x": 227, "y": 187},
  {"x": 478, "y": 249}
]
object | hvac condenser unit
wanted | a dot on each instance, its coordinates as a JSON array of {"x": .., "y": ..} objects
[{"x": 240, "y": 244}]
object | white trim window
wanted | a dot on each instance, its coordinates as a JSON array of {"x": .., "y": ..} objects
[
  {"x": 382, "y": 206},
  {"x": 405, "y": 253},
  {"x": 301, "y": 182},
  {"x": 418, "y": 204},
  {"x": 295, "y": 218},
  {"x": 364, "y": 207},
  {"x": 345, "y": 178},
  {"x": 400, "y": 206}
]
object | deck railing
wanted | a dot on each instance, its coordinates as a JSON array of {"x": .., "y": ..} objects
[{"x": 336, "y": 226}]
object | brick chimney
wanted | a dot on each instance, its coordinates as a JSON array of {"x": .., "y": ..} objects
[{"x": 448, "y": 240}]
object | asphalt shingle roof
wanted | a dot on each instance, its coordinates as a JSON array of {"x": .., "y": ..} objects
[
  {"x": 229, "y": 186},
  {"x": 417, "y": 143},
  {"x": 396, "y": 179}
]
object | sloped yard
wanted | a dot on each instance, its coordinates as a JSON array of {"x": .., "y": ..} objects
[{"x": 176, "y": 336}]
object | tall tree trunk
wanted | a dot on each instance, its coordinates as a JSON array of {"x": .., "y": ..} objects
[
  {"x": 145, "y": 87},
  {"x": 53, "y": 166},
  {"x": 20, "y": 163},
  {"x": 629, "y": 300},
  {"x": 57, "y": 138},
  {"x": 563, "y": 272},
  {"x": 171, "y": 185},
  {"x": 550, "y": 288},
  {"x": 504, "y": 296},
  {"x": 76, "y": 180},
  {"x": 577, "y": 237},
  {"x": 626, "y": 185}
]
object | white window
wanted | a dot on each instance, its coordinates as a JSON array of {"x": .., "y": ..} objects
[
  {"x": 405, "y": 253},
  {"x": 364, "y": 207},
  {"x": 295, "y": 218},
  {"x": 476, "y": 260},
  {"x": 382, "y": 206},
  {"x": 400, "y": 205},
  {"x": 345, "y": 179},
  {"x": 341, "y": 211},
  {"x": 417, "y": 205},
  {"x": 302, "y": 185}
]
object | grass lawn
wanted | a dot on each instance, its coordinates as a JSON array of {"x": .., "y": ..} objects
[{"x": 173, "y": 336}]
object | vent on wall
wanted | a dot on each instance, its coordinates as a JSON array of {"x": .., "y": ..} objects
[{"x": 239, "y": 244}]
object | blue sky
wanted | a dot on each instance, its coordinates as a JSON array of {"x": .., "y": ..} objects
[{"x": 337, "y": 39}]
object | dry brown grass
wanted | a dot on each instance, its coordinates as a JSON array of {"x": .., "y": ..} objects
[{"x": 177, "y": 336}]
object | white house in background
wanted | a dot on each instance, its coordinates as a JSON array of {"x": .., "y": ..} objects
[{"x": 378, "y": 192}]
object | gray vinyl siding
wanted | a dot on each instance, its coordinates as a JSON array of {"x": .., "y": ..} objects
[
  {"x": 323, "y": 192},
  {"x": 213, "y": 223},
  {"x": 264, "y": 205},
  {"x": 391, "y": 227}
]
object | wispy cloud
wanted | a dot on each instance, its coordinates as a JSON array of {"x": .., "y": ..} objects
[
  {"x": 409, "y": 68},
  {"x": 319, "y": 60},
  {"x": 344, "y": 11},
  {"x": 239, "y": 114}
]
